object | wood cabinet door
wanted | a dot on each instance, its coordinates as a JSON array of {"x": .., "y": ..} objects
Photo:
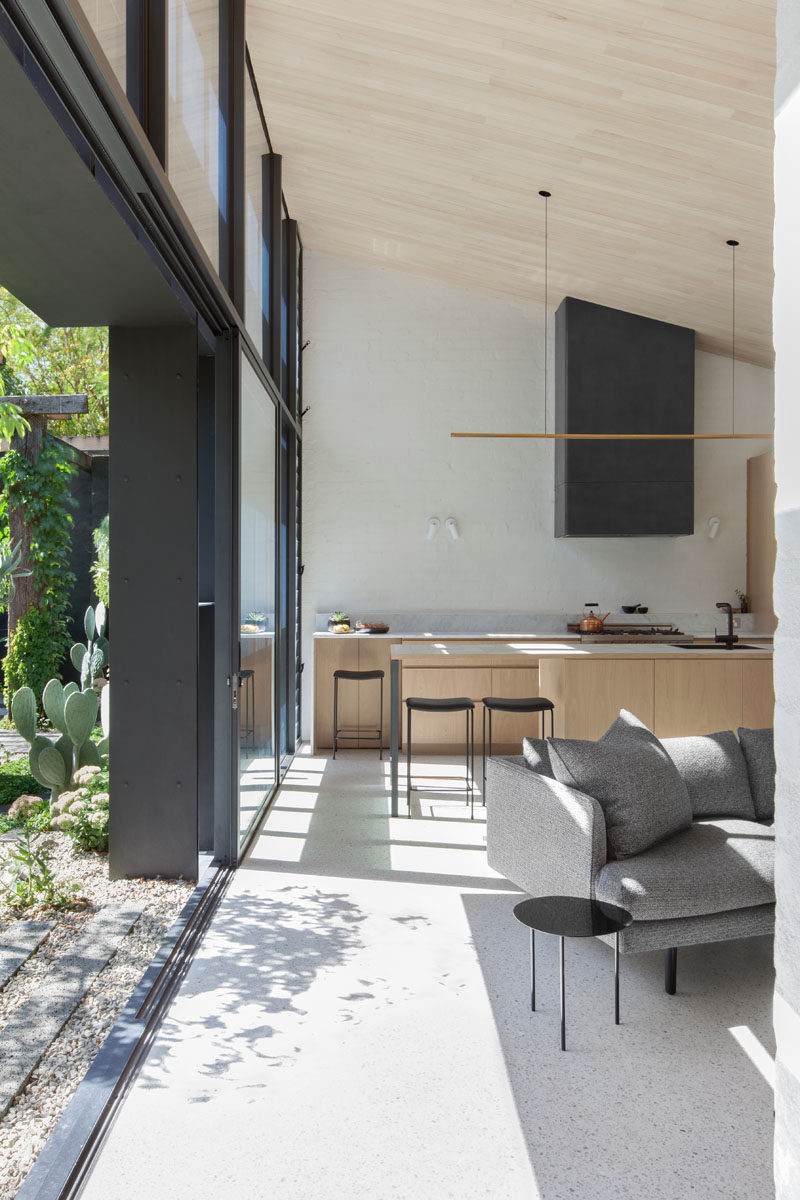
[
  {"x": 508, "y": 729},
  {"x": 334, "y": 654},
  {"x": 373, "y": 655},
  {"x": 442, "y": 733},
  {"x": 596, "y": 689},
  {"x": 758, "y": 696},
  {"x": 703, "y": 696}
]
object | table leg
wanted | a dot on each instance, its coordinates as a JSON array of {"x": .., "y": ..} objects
[
  {"x": 563, "y": 1001},
  {"x": 533, "y": 970},
  {"x": 616, "y": 978},
  {"x": 394, "y": 727}
]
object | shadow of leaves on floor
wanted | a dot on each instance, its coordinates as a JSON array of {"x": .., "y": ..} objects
[{"x": 261, "y": 956}]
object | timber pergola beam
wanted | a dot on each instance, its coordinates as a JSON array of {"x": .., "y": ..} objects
[{"x": 57, "y": 408}]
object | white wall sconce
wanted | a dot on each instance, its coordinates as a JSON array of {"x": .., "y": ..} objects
[
  {"x": 433, "y": 528},
  {"x": 452, "y": 528},
  {"x": 712, "y": 527}
]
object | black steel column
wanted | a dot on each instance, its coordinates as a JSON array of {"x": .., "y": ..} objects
[
  {"x": 153, "y": 518},
  {"x": 272, "y": 271},
  {"x": 226, "y": 601},
  {"x": 232, "y": 69}
]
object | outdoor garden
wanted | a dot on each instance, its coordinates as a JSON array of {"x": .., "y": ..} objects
[{"x": 73, "y": 944}]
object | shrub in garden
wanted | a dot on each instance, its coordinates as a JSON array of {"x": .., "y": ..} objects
[
  {"x": 27, "y": 879},
  {"x": 83, "y": 813},
  {"x": 16, "y": 780},
  {"x": 91, "y": 658}
]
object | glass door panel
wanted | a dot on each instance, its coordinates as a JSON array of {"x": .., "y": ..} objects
[{"x": 257, "y": 596}]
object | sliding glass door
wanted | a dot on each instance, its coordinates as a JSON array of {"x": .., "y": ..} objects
[{"x": 257, "y": 592}]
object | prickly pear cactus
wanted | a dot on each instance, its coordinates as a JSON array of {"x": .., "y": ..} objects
[
  {"x": 74, "y": 714},
  {"x": 89, "y": 659}
]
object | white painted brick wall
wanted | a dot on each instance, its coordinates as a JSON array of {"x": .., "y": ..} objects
[{"x": 396, "y": 362}]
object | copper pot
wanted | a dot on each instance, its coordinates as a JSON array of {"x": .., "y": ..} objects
[{"x": 592, "y": 624}]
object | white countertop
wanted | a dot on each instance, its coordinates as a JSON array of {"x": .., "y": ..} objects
[
  {"x": 452, "y": 637},
  {"x": 565, "y": 649}
]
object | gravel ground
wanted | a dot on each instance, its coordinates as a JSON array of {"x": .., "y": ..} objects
[{"x": 28, "y": 1123}]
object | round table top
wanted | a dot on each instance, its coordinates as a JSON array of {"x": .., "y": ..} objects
[{"x": 571, "y": 916}]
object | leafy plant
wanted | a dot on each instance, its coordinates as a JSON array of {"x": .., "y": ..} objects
[
  {"x": 10, "y": 564},
  {"x": 257, "y": 617},
  {"x": 36, "y": 818},
  {"x": 744, "y": 600},
  {"x": 16, "y": 780},
  {"x": 101, "y": 539},
  {"x": 73, "y": 713},
  {"x": 91, "y": 658},
  {"x": 83, "y": 813},
  {"x": 339, "y": 618},
  {"x": 27, "y": 879},
  {"x": 43, "y": 360},
  {"x": 39, "y": 640}
]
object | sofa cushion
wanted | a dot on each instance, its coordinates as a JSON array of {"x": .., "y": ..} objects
[
  {"x": 712, "y": 867},
  {"x": 715, "y": 773},
  {"x": 537, "y": 756},
  {"x": 758, "y": 746},
  {"x": 633, "y": 779}
]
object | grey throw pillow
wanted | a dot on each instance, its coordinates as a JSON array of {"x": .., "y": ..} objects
[
  {"x": 636, "y": 783},
  {"x": 537, "y": 756},
  {"x": 715, "y": 773},
  {"x": 758, "y": 746}
]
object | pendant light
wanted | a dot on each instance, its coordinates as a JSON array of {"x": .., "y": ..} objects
[{"x": 633, "y": 437}]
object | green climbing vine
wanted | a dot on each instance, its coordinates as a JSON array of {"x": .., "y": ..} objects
[{"x": 40, "y": 639}]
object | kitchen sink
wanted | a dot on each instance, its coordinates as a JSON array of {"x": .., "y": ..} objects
[{"x": 720, "y": 646}]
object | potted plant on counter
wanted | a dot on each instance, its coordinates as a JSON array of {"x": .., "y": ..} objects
[{"x": 338, "y": 618}]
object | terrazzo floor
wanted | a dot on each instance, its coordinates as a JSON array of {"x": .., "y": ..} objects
[{"x": 356, "y": 1027}]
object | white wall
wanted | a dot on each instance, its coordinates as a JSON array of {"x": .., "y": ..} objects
[
  {"x": 787, "y": 602},
  {"x": 394, "y": 364}
]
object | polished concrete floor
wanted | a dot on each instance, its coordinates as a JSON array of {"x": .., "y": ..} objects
[{"x": 356, "y": 1026}]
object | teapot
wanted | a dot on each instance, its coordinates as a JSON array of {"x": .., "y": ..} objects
[{"x": 592, "y": 623}]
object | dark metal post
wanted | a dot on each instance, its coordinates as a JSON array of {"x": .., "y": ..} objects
[
  {"x": 394, "y": 727},
  {"x": 154, "y": 577},
  {"x": 563, "y": 998},
  {"x": 408, "y": 763},
  {"x": 146, "y": 69},
  {"x": 533, "y": 969},
  {"x": 616, "y": 978},
  {"x": 232, "y": 72}
]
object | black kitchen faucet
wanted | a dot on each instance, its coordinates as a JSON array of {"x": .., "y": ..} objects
[{"x": 728, "y": 639}]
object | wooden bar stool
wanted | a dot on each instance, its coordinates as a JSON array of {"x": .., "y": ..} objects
[
  {"x": 350, "y": 732},
  {"x": 448, "y": 704},
  {"x": 525, "y": 704}
]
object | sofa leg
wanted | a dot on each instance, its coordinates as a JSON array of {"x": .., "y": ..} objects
[{"x": 670, "y": 970}]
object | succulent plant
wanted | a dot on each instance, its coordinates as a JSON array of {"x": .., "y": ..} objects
[
  {"x": 74, "y": 714},
  {"x": 91, "y": 658}
]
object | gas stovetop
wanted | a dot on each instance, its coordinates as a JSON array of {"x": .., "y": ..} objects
[{"x": 667, "y": 635}]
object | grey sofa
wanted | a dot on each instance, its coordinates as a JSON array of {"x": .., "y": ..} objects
[{"x": 711, "y": 881}]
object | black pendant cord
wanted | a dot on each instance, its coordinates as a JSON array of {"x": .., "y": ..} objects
[
  {"x": 733, "y": 244},
  {"x": 546, "y": 196}
]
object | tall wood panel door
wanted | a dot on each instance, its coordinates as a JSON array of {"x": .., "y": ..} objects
[
  {"x": 703, "y": 696},
  {"x": 332, "y": 654},
  {"x": 373, "y": 655},
  {"x": 758, "y": 695},
  {"x": 595, "y": 691}
]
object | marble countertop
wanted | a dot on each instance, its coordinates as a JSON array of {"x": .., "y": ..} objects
[
  {"x": 565, "y": 649},
  {"x": 451, "y": 637}
]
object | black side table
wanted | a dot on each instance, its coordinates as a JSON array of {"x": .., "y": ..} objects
[{"x": 570, "y": 916}]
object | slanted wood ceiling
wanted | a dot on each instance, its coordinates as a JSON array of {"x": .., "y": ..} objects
[{"x": 417, "y": 136}]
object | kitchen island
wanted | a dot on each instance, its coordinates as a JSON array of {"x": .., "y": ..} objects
[{"x": 674, "y": 690}]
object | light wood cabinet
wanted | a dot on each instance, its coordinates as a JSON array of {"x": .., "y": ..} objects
[
  {"x": 703, "y": 696},
  {"x": 255, "y": 654},
  {"x": 442, "y": 732},
  {"x": 758, "y": 695},
  {"x": 359, "y": 702},
  {"x": 588, "y": 693},
  {"x": 508, "y": 729}
]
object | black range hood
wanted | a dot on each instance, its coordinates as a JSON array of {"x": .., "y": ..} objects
[{"x": 616, "y": 372}]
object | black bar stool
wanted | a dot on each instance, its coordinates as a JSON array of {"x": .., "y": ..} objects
[
  {"x": 350, "y": 732},
  {"x": 525, "y": 704},
  {"x": 449, "y": 704}
]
